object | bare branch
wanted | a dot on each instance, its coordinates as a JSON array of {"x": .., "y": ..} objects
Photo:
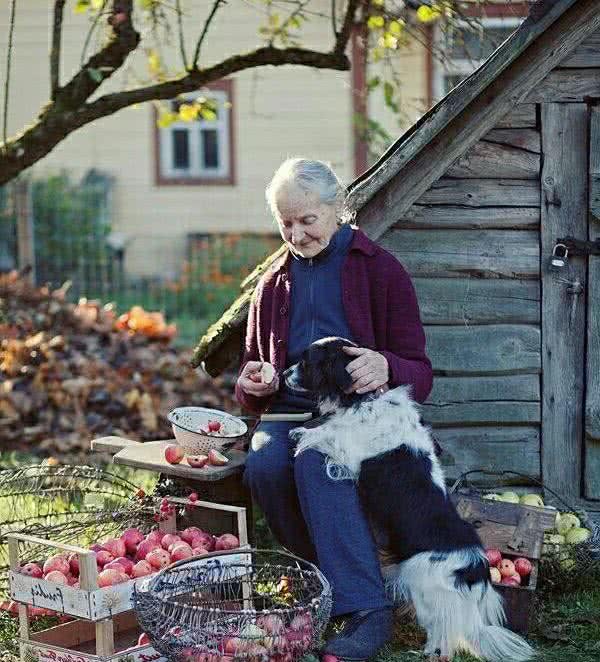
[
  {"x": 90, "y": 32},
  {"x": 213, "y": 11},
  {"x": 59, "y": 6},
  {"x": 333, "y": 18},
  {"x": 344, "y": 34},
  {"x": 180, "y": 29},
  {"x": 13, "y": 13}
]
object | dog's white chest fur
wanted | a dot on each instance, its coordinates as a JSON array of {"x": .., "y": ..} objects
[{"x": 352, "y": 435}]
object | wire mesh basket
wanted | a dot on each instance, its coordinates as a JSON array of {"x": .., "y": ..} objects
[
  {"x": 562, "y": 563},
  {"x": 252, "y": 605}
]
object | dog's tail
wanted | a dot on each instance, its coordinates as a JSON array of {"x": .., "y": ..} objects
[
  {"x": 496, "y": 642},
  {"x": 468, "y": 618}
]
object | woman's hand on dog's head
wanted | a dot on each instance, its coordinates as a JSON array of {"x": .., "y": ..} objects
[
  {"x": 369, "y": 370},
  {"x": 257, "y": 388}
]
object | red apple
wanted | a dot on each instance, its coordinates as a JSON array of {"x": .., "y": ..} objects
[
  {"x": 57, "y": 562},
  {"x": 56, "y": 576},
  {"x": 132, "y": 538},
  {"x": 271, "y": 623},
  {"x": 181, "y": 551},
  {"x": 144, "y": 548},
  {"x": 494, "y": 556},
  {"x": 227, "y": 541},
  {"x": 74, "y": 563},
  {"x": 506, "y": 567},
  {"x": 158, "y": 558},
  {"x": 32, "y": 570},
  {"x": 144, "y": 639},
  {"x": 523, "y": 566},
  {"x": 199, "y": 551},
  {"x": 214, "y": 426},
  {"x": 169, "y": 539},
  {"x": 126, "y": 563},
  {"x": 204, "y": 539},
  {"x": 116, "y": 547},
  {"x": 216, "y": 459},
  {"x": 111, "y": 577},
  {"x": 510, "y": 581},
  {"x": 193, "y": 495},
  {"x": 197, "y": 461},
  {"x": 156, "y": 536},
  {"x": 96, "y": 547},
  {"x": 187, "y": 535},
  {"x": 174, "y": 453},
  {"x": 142, "y": 569},
  {"x": 103, "y": 557}
]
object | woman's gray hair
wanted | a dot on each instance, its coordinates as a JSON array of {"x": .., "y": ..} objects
[{"x": 310, "y": 175}]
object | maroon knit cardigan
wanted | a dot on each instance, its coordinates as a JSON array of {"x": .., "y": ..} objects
[{"x": 380, "y": 305}]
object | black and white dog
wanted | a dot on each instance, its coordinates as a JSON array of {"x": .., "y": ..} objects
[{"x": 440, "y": 565}]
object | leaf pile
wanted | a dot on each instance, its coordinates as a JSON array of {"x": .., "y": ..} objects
[{"x": 69, "y": 374}]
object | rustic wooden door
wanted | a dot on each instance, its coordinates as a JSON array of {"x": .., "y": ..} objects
[
  {"x": 571, "y": 300},
  {"x": 592, "y": 391}
]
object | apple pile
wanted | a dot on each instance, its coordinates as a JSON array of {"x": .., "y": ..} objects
[
  {"x": 269, "y": 637},
  {"x": 174, "y": 454},
  {"x": 503, "y": 570},
  {"x": 567, "y": 527},
  {"x": 132, "y": 555}
]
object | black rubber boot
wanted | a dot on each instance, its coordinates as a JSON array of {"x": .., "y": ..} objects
[{"x": 362, "y": 635}]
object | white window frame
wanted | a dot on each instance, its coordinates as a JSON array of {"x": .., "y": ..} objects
[
  {"x": 194, "y": 129},
  {"x": 464, "y": 66}
]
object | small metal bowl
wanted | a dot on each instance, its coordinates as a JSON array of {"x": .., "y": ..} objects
[{"x": 188, "y": 421}]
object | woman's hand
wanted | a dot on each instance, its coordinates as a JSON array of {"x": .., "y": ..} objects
[
  {"x": 369, "y": 370},
  {"x": 257, "y": 388}
]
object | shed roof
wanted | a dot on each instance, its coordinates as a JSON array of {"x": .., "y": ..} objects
[{"x": 223, "y": 339}]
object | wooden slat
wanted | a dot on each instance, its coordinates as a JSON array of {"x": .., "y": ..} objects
[
  {"x": 522, "y": 116},
  {"x": 587, "y": 54},
  {"x": 425, "y": 154},
  {"x": 492, "y": 448},
  {"x": 482, "y": 193},
  {"x": 460, "y": 253},
  {"x": 462, "y": 401},
  {"x": 478, "y": 300},
  {"x": 592, "y": 404},
  {"x": 453, "y": 216},
  {"x": 492, "y": 160},
  {"x": 528, "y": 139},
  {"x": 564, "y": 212},
  {"x": 502, "y": 349},
  {"x": 516, "y": 388},
  {"x": 566, "y": 86},
  {"x": 482, "y": 413}
]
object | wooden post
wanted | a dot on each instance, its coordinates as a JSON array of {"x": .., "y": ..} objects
[
  {"x": 88, "y": 580},
  {"x": 25, "y": 230},
  {"x": 563, "y": 213},
  {"x": 592, "y": 405},
  {"x": 15, "y": 564}
]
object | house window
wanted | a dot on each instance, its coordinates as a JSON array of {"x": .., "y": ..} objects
[
  {"x": 465, "y": 47},
  {"x": 200, "y": 151}
]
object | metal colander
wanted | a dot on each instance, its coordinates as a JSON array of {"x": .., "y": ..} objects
[
  {"x": 252, "y": 605},
  {"x": 188, "y": 421}
]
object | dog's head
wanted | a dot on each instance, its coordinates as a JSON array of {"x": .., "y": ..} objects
[{"x": 322, "y": 371}]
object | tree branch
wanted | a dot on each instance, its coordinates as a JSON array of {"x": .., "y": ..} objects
[
  {"x": 59, "y": 6},
  {"x": 180, "y": 30},
  {"x": 344, "y": 35},
  {"x": 213, "y": 11},
  {"x": 13, "y": 13}
]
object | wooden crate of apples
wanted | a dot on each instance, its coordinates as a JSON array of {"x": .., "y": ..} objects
[
  {"x": 96, "y": 585},
  {"x": 513, "y": 536}
]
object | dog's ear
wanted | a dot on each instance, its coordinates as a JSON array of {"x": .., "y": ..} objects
[{"x": 341, "y": 376}]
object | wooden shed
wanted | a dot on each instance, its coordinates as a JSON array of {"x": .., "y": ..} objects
[{"x": 472, "y": 200}]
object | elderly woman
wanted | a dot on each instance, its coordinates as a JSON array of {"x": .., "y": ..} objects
[{"x": 332, "y": 281}]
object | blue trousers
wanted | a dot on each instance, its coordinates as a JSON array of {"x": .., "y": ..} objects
[{"x": 314, "y": 517}]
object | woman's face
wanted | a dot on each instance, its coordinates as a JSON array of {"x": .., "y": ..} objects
[{"x": 304, "y": 222}]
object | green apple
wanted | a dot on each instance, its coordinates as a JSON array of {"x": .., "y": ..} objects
[
  {"x": 492, "y": 497},
  {"x": 509, "y": 497},
  {"x": 532, "y": 500},
  {"x": 554, "y": 539},
  {"x": 577, "y": 535},
  {"x": 566, "y": 522}
]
